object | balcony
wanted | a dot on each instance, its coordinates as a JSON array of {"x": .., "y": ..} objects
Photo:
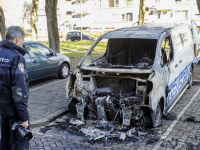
[
  {"x": 85, "y": 22},
  {"x": 180, "y": 2},
  {"x": 84, "y": 9}
]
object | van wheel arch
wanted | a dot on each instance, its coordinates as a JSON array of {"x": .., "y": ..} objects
[{"x": 154, "y": 118}]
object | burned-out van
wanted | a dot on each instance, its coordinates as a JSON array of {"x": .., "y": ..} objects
[{"x": 140, "y": 76}]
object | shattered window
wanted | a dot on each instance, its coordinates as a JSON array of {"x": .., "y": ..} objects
[
  {"x": 139, "y": 53},
  {"x": 99, "y": 50},
  {"x": 167, "y": 52}
]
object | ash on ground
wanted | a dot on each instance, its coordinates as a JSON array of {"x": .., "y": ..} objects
[{"x": 101, "y": 132}]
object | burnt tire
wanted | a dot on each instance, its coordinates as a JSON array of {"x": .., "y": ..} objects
[
  {"x": 190, "y": 78},
  {"x": 147, "y": 120},
  {"x": 156, "y": 116},
  {"x": 72, "y": 106},
  {"x": 64, "y": 71}
]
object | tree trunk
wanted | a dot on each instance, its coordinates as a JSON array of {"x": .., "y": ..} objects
[
  {"x": 52, "y": 24},
  {"x": 2, "y": 23},
  {"x": 198, "y": 5},
  {"x": 142, "y": 12},
  {"x": 34, "y": 18}
]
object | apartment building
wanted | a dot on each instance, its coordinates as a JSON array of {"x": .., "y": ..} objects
[
  {"x": 114, "y": 14},
  {"x": 172, "y": 11},
  {"x": 101, "y": 14}
]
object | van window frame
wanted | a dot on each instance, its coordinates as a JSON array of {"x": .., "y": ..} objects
[{"x": 171, "y": 46}]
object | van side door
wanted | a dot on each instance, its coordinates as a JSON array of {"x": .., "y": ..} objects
[
  {"x": 170, "y": 67},
  {"x": 180, "y": 70}
]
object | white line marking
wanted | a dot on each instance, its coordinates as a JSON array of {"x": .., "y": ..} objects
[{"x": 167, "y": 132}]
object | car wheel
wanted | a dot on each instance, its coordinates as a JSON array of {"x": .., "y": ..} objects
[
  {"x": 64, "y": 71},
  {"x": 190, "y": 78},
  {"x": 156, "y": 116}
]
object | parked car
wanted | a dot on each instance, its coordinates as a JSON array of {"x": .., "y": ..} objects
[
  {"x": 42, "y": 61},
  {"x": 76, "y": 35},
  {"x": 141, "y": 76}
]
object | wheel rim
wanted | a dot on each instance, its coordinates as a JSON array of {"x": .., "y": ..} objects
[
  {"x": 157, "y": 115},
  {"x": 65, "y": 71}
]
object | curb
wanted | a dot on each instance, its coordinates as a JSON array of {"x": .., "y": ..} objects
[
  {"x": 48, "y": 119},
  {"x": 196, "y": 82}
]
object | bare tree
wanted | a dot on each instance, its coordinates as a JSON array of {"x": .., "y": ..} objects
[
  {"x": 52, "y": 24},
  {"x": 2, "y": 23},
  {"x": 142, "y": 11},
  {"x": 34, "y": 18}
]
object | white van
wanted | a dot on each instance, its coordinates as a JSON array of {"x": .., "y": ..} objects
[{"x": 142, "y": 74}]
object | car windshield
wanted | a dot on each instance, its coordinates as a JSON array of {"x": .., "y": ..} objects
[{"x": 139, "y": 53}]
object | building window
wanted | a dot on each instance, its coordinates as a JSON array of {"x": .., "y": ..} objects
[
  {"x": 181, "y": 15},
  {"x": 129, "y": 2},
  {"x": 129, "y": 17},
  {"x": 197, "y": 16},
  {"x": 159, "y": 13},
  {"x": 164, "y": 13},
  {"x": 185, "y": 12},
  {"x": 123, "y": 17},
  {"x": 171, "y": 15},
  {"x": 113, "y": 3},
  {"x": 116, "y": 3}
]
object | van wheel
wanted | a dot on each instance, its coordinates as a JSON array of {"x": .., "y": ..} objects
[
  {"x": 64, "y": 71},
  {"x": 190, "y": 78},
  {"x": 156, "y": 116},
  {"x": 72, "y": 106},
  {"x": 147, "y": 119}
]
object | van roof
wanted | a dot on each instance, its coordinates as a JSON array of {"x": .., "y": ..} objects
[{"x": 150, "y": 31}]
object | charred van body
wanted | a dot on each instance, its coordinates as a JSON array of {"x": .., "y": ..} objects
[{"x": 135, "y": 79}]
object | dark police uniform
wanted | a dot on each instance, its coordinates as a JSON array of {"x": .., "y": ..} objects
[{"x": 14, "y": 93}]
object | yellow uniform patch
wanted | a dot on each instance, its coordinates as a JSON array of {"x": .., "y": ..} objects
[{"x": 21, "y": 67}]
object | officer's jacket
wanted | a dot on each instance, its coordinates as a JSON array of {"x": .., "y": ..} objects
[{"x": 14, "y": 85}]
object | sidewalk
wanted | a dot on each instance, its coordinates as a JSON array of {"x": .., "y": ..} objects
[{"x": 46, "y": 103}]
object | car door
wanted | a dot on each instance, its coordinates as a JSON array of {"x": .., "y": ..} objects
[
  {"x": 42, "y": 64},
  {"x": 28, "y": 64},
  {"x": 78, "y": 36}
]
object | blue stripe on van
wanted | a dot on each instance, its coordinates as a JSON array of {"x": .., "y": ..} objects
[
  {"x": 196, "y": 60},
  {"x": 178, "y": 83}
]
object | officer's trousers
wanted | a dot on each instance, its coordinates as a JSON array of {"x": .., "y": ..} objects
[{"x": 11, "y": 140}]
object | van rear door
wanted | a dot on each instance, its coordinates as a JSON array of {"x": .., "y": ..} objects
[{"x": 196, "y": 39}]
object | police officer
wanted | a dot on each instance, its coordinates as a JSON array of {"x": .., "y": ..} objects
[{"x": 14, "y": 89}]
